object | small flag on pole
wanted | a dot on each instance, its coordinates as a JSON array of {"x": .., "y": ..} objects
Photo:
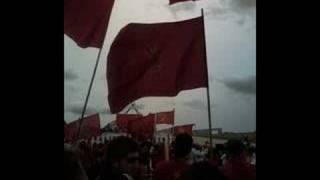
[
  {"x": 122, "y": 120},
  {"x": 165, "y": 117},
  {"x": 142, "y": 128},
  {"x": 90, "y": 127},
  {"x": 183, "y": 129}
]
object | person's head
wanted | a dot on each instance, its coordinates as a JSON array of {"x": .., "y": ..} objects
[
  {"x": 163, "y": 139},
  {"x": 73, "y": 169},
  {"x": 204, "y": 171},
  {"x": 251, "y": 151},
  {"x": 212, "y": 153},
  {"x": 234, "y": 148},
  {"x": 182, "y": 145},
  {"x": 123, "y": 153}
]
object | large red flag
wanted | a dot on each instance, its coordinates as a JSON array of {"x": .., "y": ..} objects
[
  {"x": 156, "y": 60},
  {"x": 176, "y": 1},
  {"x": 90, "y": 127},
  {"x": 86, "y": 21},
  {"x": 183, "y": 129},
  {"x": 142, "y": 128},
  {"x": 122, "y": 120},
  {"x": 165, "y": 117}
]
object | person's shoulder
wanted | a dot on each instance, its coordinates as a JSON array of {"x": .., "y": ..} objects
[
  {"x": 163, "y": 165},
  {"x": 125, "y": 177},
  {"x": 165, "y": 162}
]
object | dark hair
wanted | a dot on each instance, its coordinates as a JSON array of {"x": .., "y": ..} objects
[
  {"x": 117, "y": 149},
  {"x": 182, "y": 145},
  {"x": 212, "y": 152},
  {"x": 234, "y": 147},
  {"x": 72, "y": 167},
  {"x": 120, "y": 147},
  {"x": 203, "y": 171},
  {"x": 163, "y": 139}
]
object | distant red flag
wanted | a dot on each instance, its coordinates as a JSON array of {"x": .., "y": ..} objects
[
  {"x": 90, "y": 127},
  {"x": 156, "y": 60},
  {"x": 86, "y": 21},
  {"x": 165, "y": 117},
  {"x": 142, "y": 128},
  {"x": 176, "y": 1},
  {"x": 183, "y": 129},
  {"x": 122, "y": 120}
]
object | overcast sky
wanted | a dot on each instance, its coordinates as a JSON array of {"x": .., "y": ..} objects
[{"x": 230, "y": 27}]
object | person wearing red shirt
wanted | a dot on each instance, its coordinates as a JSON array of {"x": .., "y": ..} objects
[
  {"x": 172, "y": 170},
  {"x": 237, "y": 167}
]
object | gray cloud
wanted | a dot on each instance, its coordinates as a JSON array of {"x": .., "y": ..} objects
[
  {"x": 105, "y": 111},
  {"x": 212, "y": 78},
  {"x": 140, "y": 106},
  {"x": 242, "y": 7},
  {"x": 76, "y": 108},
  {"x": 244, "y": 85},
  {"x": 70, "y": 88},
  {"x": 197, "y": 104},
  {"x": 229, "y": 8},
  {"x": 181, "y": 7},
  {"x": 103, "y": 77},
  {"x": 241, "y": 21},
  {"x": 242, "y": 4},
  {"x": 187, "y": 6},
  {"x": 70, "y": 75}
]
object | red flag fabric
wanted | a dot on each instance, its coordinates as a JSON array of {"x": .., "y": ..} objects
[
  {"x": 176, "y": 1},
  {"x": 122, "y": 120},
  {"x": 156, "y": 60},
  {"x": 90, "y": 127},
  {"x": 165, "y": 117},
  {"x": 183, "y": 129},
  {"x": 86, "y": 21},
  {"x": 142, "y": 128}
]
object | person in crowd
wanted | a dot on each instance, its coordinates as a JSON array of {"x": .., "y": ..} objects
[
  {"x": 197, "y": 154},
  {"x": 145, "y": 155},
  {"x": 245, "y": 140},
  {"x": 172, "y": 170},
  {"x": 157, "y": 154},
  {"x": 106, "y": 140},
  {"x": 121, "y": 160},
  {"x": 213, "y": 157},
  {"x": 252, "y": 155},
  {"x": 73, "y": 169},
  {"x": 236, "y": 166},
  {"x": 88, "y": 159},
  {"x": 203, "y": 170}
]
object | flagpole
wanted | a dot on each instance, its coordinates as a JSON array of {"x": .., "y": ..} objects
[
  {"x": 90, "y": 86},
  {"x": 172, "y": 126},
  {"x": 154, "y": 126},
  {"x": 208, "y": 89}
]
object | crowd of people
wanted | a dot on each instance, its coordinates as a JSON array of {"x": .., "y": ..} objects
[{"x": 125, "y": 158}]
